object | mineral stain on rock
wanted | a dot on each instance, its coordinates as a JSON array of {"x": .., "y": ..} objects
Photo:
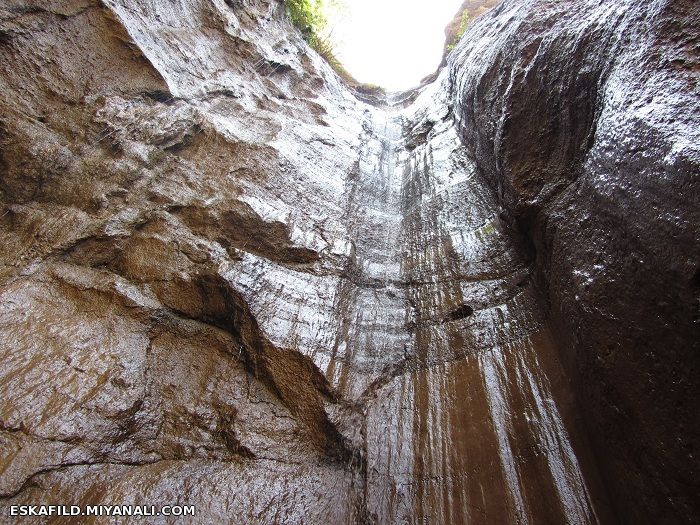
[{"x": 228, "y": 280}]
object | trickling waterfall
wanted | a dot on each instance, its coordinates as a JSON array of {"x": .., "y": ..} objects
[
  {"x": 229, "y": 280},
  {"x": 465, "y": 425}
]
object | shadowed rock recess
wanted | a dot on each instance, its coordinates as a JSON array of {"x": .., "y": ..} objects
[{"x": 228, "y": 281}]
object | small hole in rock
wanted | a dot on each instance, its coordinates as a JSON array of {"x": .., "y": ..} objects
[
  {"x": 158, "y": 95},
  {"x": 461, "y": 312}
]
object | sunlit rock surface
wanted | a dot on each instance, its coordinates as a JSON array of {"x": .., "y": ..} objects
[{"x": 228, "y": 282}]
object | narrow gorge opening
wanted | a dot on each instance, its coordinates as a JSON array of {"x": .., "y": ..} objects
[{"x": 389, "y": 45}]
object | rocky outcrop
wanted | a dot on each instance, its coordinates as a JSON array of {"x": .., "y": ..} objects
[
  {"x": 228, "y": 282},
  {"x": 583, "y": 116}
]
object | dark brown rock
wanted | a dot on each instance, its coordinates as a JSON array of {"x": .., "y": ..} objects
[
  {"x": 584, "y": 117},
  {"x": 225, "y": 281}
]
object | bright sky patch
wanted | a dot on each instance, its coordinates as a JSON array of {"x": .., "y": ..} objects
[{"x": 392, "y": 43}]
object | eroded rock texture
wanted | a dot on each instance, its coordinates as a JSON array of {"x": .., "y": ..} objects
[
  {"x": 584, "y": 116},
  {"x": 228, "y": 282}
]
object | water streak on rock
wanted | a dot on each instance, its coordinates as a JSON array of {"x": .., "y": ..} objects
[{"x": 227, "y": 280}]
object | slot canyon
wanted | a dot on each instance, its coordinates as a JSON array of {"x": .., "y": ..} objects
[{"x": 229, "y": 279}]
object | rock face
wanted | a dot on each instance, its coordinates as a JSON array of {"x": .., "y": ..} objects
[
  {"x": 228, "y": 282},
  {"x": 589, "y": 133}
]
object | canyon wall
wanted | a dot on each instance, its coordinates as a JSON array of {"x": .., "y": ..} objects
[
  {"x": 228, "y": 281},
  {"x": 583, "y": 116}
]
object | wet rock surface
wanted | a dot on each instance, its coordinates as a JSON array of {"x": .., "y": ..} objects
[
  {"x": 588, "y": 132},
  {"x": 225, "y": 281}
]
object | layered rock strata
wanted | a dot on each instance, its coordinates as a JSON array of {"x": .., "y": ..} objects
[{"x": 229, "y": 282}]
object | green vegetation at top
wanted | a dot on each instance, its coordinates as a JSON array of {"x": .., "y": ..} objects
[
  {"x": 309, "y": 17},
  {"x": 463, "y": 24}
]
